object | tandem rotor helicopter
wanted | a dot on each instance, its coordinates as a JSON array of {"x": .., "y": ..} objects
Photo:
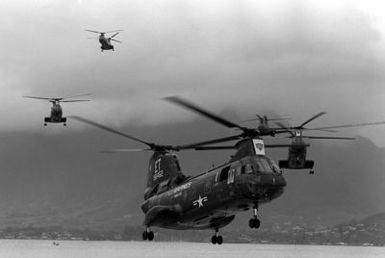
[
  {"x": 106, "y": 41},
  {"x": 211, "y": 199},
  {"x": 56, "y": 115},
  {"x": 297, "y": 148}
]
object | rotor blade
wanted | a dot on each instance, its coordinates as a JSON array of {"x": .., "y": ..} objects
[
  {"x": 117, "y": 40},
  {"x": 284, "y": 127},
  {"x": 248, "y": 120},
  {"x": 111, "y": 31},
  {"x": 76, "y": 96},
  {"x": 33, "y": 97},
  {"x": 76, "y": 100},
  {"x": 329, "y": 138},
  {"x": 124, "y": 150},
  {"x": 318, "y": 129},
  {"x": 214, "y": 148},
  {"x": 282, "y": 145},
  {"x": 94, "y": 31},
  {"x": 259, "y": 117},
  {"x": 114, "y": 35},
  {"x": 84, "y": 120},
  {"x": 219, "y": 140},
  {"x": 351, "y": 125},
  {"x": 279, "y": 119},
  {"x": 311, "y": 119},
  {"x": 188, "y": 105}
]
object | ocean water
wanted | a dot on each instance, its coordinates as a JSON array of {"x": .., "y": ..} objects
[{"x": 107, "y": 249}]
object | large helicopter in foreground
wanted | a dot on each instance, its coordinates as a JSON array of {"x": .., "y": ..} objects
[
  {"x": 106, "y": 41},
  {"x": 56, "y": 115},
  {"x": 211, "y": 199}
]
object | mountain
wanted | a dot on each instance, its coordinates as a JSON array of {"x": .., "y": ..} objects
[{"x": 61, "y": 178}]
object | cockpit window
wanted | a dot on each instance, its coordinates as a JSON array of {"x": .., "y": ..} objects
[
  {"x": 264, "y": 165},
  {"x": 275, "y": 167}
]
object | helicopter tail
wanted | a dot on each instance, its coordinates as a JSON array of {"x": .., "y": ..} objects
[{"x": 164, "y": 172}]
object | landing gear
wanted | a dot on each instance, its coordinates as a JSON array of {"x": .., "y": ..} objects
[
  {"x": 65, "y": 124},
  {"x": 255, "y": 222},
  {"x": 45, "y": 124},
  {"x": 148, "y": 234},
  {"x": 217, "y": 239},
  {"x": 311, "y": 172}
]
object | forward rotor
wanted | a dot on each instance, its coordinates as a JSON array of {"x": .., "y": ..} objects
[
  {"x": 104, "y": 32},
  {"x": 151, "y": 146},
  {"x": 61, "y": 99}
]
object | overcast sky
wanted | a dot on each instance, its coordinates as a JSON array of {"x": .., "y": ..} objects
[{"x": 293, "y": 58}]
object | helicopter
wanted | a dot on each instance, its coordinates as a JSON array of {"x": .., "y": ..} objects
[
  {"x": 106, "y": 41},
  {"x": 211, "y": 199},
  {"x": 297, "y": 149},
  {"x": 56, "y": 109}
]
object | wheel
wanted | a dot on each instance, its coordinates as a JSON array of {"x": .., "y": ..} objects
[
  {"x": 45, "y": 124},
  {"x": 144, "y": 235},
  {"x": 150, "y": 236},
  {"x": 254, "y": 223},
  {"x": 251, "y": 223},
  {"x": 219, "y": 240},
  {"x": 257, "y": 223},
  {"x": 311, "y": 172},
  {"x": 65, "y": 124},
  {"x": 214, "y": 239}
]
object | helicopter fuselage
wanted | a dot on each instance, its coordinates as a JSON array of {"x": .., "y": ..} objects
[
  {"x": 212, "y": 199},
  {"x": 105, "y": 43},
  {"x": 297, "y": 155},
  {"x": 56, "y": 115}
]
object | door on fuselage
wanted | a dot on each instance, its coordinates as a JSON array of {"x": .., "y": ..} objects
[{"x": 224, "y": 181}]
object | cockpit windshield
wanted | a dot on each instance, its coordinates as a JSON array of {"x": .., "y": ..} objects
[{"x": 266, "y": 166}]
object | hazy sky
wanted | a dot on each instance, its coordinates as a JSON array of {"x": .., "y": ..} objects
[{"x": 294, "y": 58}]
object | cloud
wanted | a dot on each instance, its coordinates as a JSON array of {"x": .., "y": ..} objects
[{"x": 291, "y": 57}]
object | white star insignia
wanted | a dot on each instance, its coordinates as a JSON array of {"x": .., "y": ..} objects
[{"x": 200, "y": 201}]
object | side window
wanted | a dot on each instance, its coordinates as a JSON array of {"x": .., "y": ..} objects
[
  {"x": 224, "y": 174},
  {"x": 231, "y": 176}
]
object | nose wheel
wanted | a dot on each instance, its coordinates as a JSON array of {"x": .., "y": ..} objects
[
  {"x": 255, "y": 222},
  {"x": 148, "y": 234},
  {"x": 216, "y": 239}
]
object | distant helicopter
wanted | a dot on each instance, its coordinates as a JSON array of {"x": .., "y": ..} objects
[
  {"x": 56, "y": 109},
  {"x": 297, "y": 148},
  {"x": 106, "y": 41},
  {"x": 264, "y": 126}
]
